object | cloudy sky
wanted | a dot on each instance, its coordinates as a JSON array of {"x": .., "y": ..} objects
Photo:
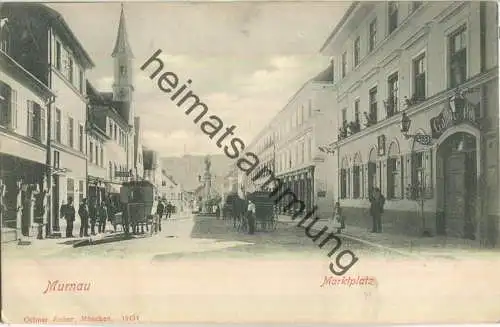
[{"x": 245, "y": 59}]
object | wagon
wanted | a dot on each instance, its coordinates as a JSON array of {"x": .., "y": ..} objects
[
  {"x": 265, "y": 212},
  {"x": 138, "y": 202}
]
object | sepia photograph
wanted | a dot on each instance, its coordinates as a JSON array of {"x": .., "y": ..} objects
[{"x": 249, "y": 162}]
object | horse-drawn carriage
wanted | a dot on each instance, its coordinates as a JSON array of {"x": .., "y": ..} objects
[
  {"x": 235, "y": 210},
  {"x": 139, "y": 207}
]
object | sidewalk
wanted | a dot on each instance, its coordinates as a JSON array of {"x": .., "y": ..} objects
[{"x": 437, "y": 246}]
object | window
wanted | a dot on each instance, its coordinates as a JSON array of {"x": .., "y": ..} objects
[
  {"x": 415, "y": 5},
  {"x": 343, "y": 183},
  {"x": 419, "y": 77},
  {"x": 58, "y": 125},
  {"x": 36, "y": 121},
  {"x": 356, "y": 51},
  {"x": 110, "y": 170},
  {"x": 373, "y": 105},
  {"x": 300, "y": 113},
  {"x": 80, "y": 191},
  {"x": 91, "y": 152},
  {"x": 110, "y": 131},
  {"x": 80, "y": 80},
  {"x": 458, "y": 57},
  {"x": 344, "y": 115},
  {"x": 393, "y": 16},
  {"x": 394, "y": 178},
  {"x": 356, "y": 110},
  {"x": 70, "y": 189},
  {"x": 5, "y": 104},
  {"x": 302, "y": 152},
  {"x": 114, "y": 135},
  {"x": 309, "y": 107},
  {"x": 80, "y": 138},
  {"x": 97, "y": 154},
  {"x": 373, "y": 35},
  {"x": 70, "y": 70},
  {"x": 392, "y": 96},
  {"x": 71, "y": 132},
  {"x": 102, "y": 157},
  {"x": 418, "y": 169},
  {"x": 309, "y": 149},
  {"x": 56, "y": 163},
  {"x": 5, "y": 39},
  {"x": 58, "y": 56},
  {"x": 356, "y": 182},
  {"x": 123, "y": 70},
  {"x": 344, "y": 64}
]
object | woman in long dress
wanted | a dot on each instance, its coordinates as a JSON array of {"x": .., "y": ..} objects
[{"x": 337, "y": 221}]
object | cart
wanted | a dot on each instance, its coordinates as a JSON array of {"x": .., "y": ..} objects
[
  {"x": 266, "y": 218},
  {"x": 139, "y": 204}
]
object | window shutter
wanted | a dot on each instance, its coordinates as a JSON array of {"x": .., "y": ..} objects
[
  {"x": 5, "y": 105},
  {"x": 13, "y": 107},
  {"x": 428, "y": 171},
  {"x": 29, "y": 118},
  {"x": 42, "y": 123},
  {"x": 389, "y": 183},
  {"x": 402, "y": 172},
  {"x": 407, "y": 173}
]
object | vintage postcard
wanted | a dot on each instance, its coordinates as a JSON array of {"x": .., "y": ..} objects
[{"x": 249, "y": 162}]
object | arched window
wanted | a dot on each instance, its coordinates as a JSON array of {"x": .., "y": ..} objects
[
  {"x": 372, "y": 171},
  {"x": 357, "y": 184},
  {"x": 344, "y": 179},
  {"x": 394, "y": 172}
]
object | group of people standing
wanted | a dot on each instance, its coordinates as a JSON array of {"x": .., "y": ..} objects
[
  {"x": 377, "y": 201},
  {"x": 91, "y": 215}
]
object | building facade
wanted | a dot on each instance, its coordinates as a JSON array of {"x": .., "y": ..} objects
[
  {"x": 416, "y": 97},
  {"x": 290, "y": 145},
  {"x": 42, "y": 43},
  {"x": 170, "y": 191}
]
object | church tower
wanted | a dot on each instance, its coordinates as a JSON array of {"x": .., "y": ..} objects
[{"x": 123, "y": 85}]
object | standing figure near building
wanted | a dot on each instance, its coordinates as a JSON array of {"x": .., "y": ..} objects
[
  {"x": 376, "y": 209},
  {"x": 159, "y": 211},
  {"x": 68, "y": 213},
  {"x": 103, "y": 217},
  {"x": 251, "y": 217},
  {"x": 93, "y": 216},
  {"x": 338, "y": 221},
  {"x": 83, "y": 212}
]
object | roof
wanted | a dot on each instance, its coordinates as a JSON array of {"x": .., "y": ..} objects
[
  {"x": 122, "y": 45},
  {"x": 343, "y": 20},
  {"x": 105, "y": 99}
]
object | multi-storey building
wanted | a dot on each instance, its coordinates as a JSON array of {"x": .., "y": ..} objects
[
  {"x": 111, "y": 149},
  {"x": 41, "y": 42},
  {"x": 171, "y": 191},
  {"x": 416, "y": 90},
  {"x": 152, "y": 167},
  {"x": 288, "y": 146},
  {"x": 23, "y": 142}
]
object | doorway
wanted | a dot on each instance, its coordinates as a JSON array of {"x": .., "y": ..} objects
[{"x": 459, "y": 173}]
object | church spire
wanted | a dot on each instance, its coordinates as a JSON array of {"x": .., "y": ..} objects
[{"x": 122, "y": 46}]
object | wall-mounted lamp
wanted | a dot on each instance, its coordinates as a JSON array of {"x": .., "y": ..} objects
[{"x": 423, "y": 139}]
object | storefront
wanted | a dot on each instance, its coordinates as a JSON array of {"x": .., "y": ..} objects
[{"x": 301, "y": 183}]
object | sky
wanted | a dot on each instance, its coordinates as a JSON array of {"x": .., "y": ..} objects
[{"x": 245, "y": 60}]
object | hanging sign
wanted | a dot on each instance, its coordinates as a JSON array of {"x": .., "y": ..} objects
[{"x": 423, "y": 139}]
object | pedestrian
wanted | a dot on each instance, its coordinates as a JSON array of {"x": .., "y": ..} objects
[
  {"x": 251, "y": 217},
  {"x": 68, "y": 213},
  {"x": 83, "y": 212},
  {"x": 159, "y": 211},
  {"x": 377, "y": 201},
  {"x": 103, "y": 217},
  {"x": 93, "y": 215},
  {"x": 338, "y": 221}
]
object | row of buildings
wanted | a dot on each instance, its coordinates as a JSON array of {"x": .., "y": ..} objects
[
  {"x": 60, "y": 137},
  {"x": 407, "y": 104}
]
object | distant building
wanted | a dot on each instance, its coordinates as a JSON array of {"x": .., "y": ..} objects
[
  {"x": 152, "y": 167},
  {"x": 170, "y": 190}
]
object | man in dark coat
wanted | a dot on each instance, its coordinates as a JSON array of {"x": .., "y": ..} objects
[
  {"x": 68, "y": 213},
  {"x": 83, "y": 212},
  {"x": 377, "y": 201},
  {"x": 159, "y": 211}
]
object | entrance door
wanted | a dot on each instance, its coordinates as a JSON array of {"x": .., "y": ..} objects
[
  {"x": 455, "y": 193},
  {"x": 55, "y": 203}
]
